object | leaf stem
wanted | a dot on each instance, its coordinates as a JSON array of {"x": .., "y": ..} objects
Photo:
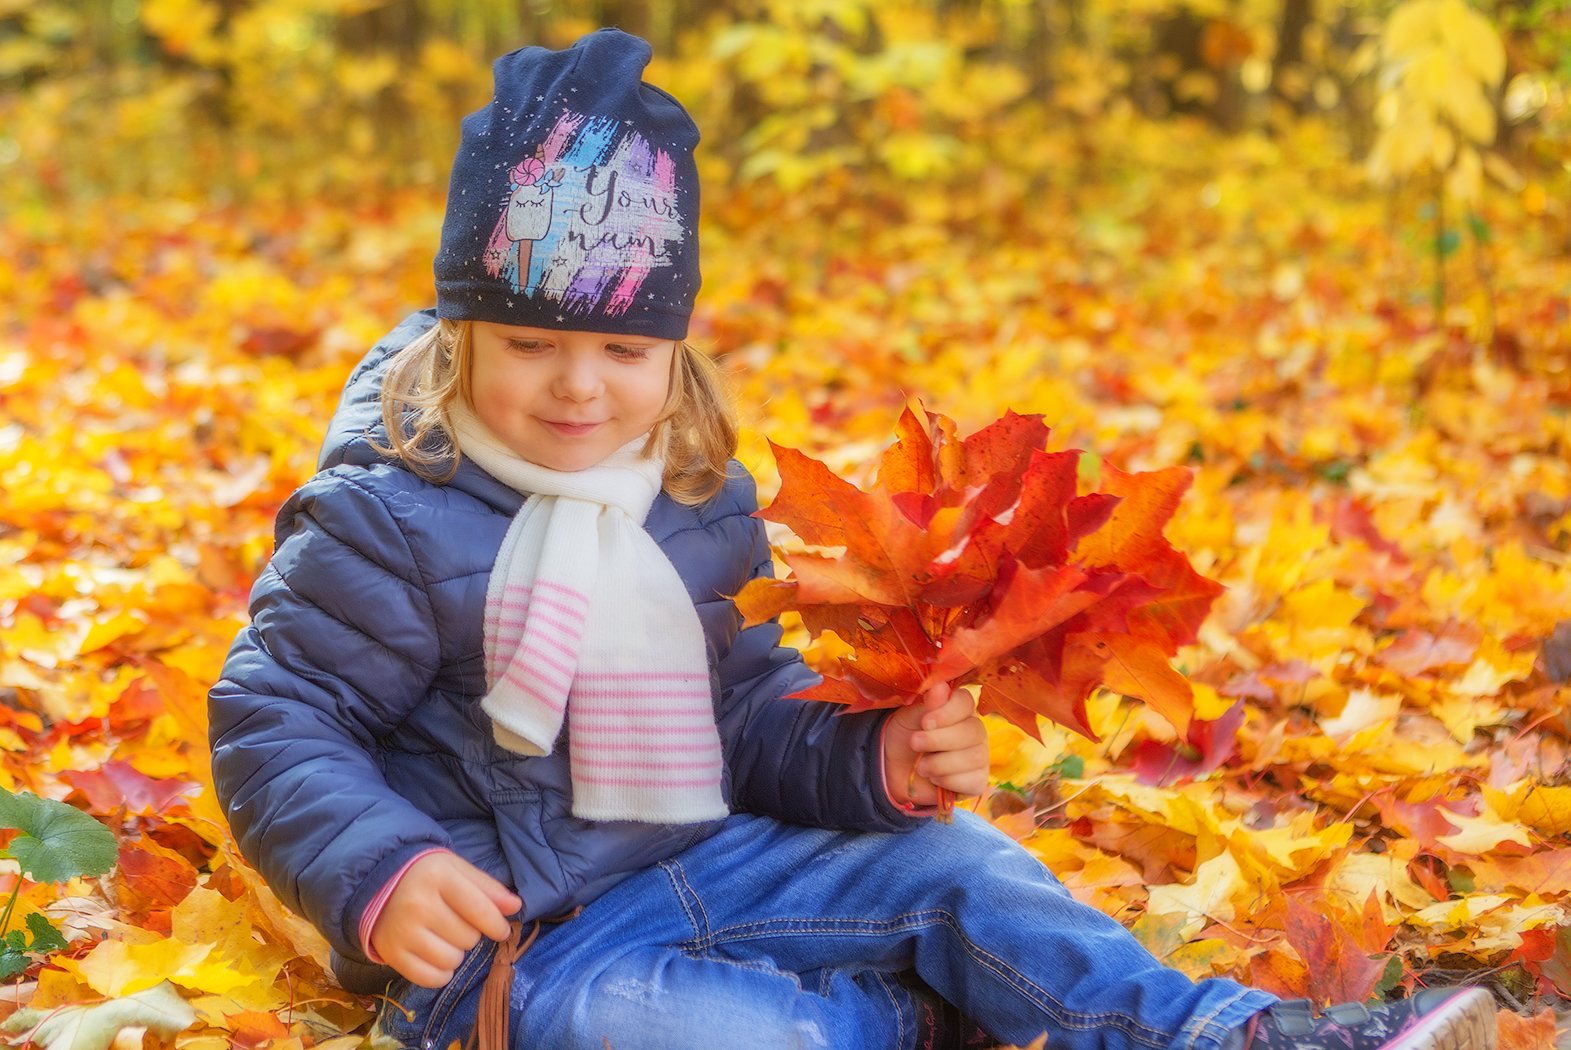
[{"x": 10, "y": 905}]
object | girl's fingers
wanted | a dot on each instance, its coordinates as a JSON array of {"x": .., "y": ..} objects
[
  {"x": 418, "y": 971},
  {"x": 505, "y": 899},
  {"x": 963, "y": 772},
  {"x": 969, "y": 732},
  {"x": 435, "y": 950},
  {"x": 949, "y": 763},
  {"x": 473, "y": 915},
  {"x": 476, "y": 910}
]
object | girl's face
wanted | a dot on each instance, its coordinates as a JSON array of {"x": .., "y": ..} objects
[{"x": 567, "y": 400}]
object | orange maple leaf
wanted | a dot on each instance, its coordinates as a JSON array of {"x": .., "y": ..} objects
[{"x": 977, "y": 561}]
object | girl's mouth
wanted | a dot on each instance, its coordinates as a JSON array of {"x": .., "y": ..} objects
[{"x": 570, "y": 429}]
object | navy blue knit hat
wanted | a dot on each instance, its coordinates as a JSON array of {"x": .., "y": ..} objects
[{"x": 574, "y": 197}]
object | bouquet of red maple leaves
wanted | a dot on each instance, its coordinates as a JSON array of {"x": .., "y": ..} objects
[{"x": 979, "y": 561}]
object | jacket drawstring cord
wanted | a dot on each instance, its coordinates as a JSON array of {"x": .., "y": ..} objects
[{"x": 495, "y": 1006}]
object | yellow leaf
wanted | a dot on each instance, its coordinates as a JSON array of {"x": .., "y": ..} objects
[
  {"x": 1206, "y": 898},
  {"x": 1472, "y": 112},
  {"x": 1296, "y": 847},
  {"x": 120, "y": 625},
  {"x": 1469, "y": 36},
  {"x": 1013, "y": 757},
  {"x": 1543, "y": 807},
  {"x": 1355, "y": 875},
  {"x": 1442, "y": 148},
  {"x": 1364, "y": 708},
  {"x": 1465, "y": 180},
  {"x": 1412, "y": 27},
  {"x": 116, "y": 968},
  {"x": 1481, "y": 834},
  {"x": 1057, "y": 849},
  {"x": 1321, "y": 605}
]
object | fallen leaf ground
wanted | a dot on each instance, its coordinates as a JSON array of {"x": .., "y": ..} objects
[{"x": 1384, "y": 796}]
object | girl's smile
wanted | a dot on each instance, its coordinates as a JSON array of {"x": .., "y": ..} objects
[
  {"x": 567, "y": 400},
  {"x": 572, "y": 428}
]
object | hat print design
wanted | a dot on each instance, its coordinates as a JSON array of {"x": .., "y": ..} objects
[{"x": 589, "y": 213}]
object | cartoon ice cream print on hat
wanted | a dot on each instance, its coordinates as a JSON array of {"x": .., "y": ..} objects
[
  {"x": 588, "y": 215},
  {"x": 528, "y": 215}
]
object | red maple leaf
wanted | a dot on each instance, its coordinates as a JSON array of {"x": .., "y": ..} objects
[{"x": 979, "y": 561}]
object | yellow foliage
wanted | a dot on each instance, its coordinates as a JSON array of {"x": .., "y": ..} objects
[{"x": 1442, "y": 62}]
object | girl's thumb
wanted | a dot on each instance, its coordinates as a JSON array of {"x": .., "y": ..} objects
[{"x": 936, "y": 696}]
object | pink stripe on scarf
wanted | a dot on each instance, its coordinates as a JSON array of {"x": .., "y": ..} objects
[
  {"x": 591, "y": 778},
  {"x": 622, "y": 729},
  {"x": 638, "y": 745},
  {"x": 567, "y": 649},
  {"x": 686, "y": 767},
  {"x": 646, "y": 676},
  {"x": 565, "y": 590},
  {"x": 531, "y": 652},
  {"x": 608, "y": 693},
  {"x": 556, "y": 704},
  {"x": 559, "y": 679},
  {"x": 647, "y": 712},
  {"x": 514, "y": 605}
]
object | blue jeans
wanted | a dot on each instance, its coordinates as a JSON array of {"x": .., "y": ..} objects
[{"x": 772, "y": 935}]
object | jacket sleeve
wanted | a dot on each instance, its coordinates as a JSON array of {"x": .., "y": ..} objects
[
  {"x": 803, "y": 761},
  {"x": 340, "y": 647}
]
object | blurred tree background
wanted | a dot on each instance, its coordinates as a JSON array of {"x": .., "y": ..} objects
[
  {"x": 851, "y": 107},
  {"x": 310, "y": 96}
]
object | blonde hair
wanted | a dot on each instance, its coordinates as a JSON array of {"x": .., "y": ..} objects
[{"x": 696, "y": 427}]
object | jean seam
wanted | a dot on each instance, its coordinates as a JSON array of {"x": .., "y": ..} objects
[
  {"x": 681, "y": 873},
  {"x": 900, "y": 1017},
  {"x": 1198, "y": 1025},
  {"x": 1009, "y": 975},
  {"x": 447, "y": 1002},
  {"x": 1208, "y": 1026},
  {"x": 699, "y": 935}
]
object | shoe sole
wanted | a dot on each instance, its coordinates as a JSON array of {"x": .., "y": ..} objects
[{"x": 1464, "y": 1022}]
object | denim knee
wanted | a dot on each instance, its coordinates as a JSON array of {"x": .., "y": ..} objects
[{"x": 646, "y": 1006}]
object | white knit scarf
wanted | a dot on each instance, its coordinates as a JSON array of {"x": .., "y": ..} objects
[{"x": 585, "y": 617}]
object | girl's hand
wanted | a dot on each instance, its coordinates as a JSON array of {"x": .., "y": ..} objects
[
  {"x": 938, "y": 743},
  {"x": 437, "y": 912}
]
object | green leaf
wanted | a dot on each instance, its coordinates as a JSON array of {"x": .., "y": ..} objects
[
  {"x": 94, "y": 1027},
  {"x": 12, "y": 962},
  {"x": 45, "y": 937},
  {"x": 1336, "y": 470},
  {"x": 1071, "y": 767},
  {"x": 1479, "y": 229},
  {"x": 57, "y": 841},
  {"x": 15, "y": 951},
  {"x": 1450, "y": 240},
  {"x": 1389, "y": 979}
]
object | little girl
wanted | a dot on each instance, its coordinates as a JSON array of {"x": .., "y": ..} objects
[{"x": 493, "y": 683}]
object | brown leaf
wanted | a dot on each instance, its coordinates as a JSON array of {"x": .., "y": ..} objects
[
  {"x": 1516, "y": 1032},
  {"x": 1339, "y": 967},
  {"x": 1416, "y": 651}
]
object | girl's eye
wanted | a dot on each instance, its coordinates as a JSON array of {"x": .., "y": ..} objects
[
  {"x": 630, "y": 353},
  {"x": 525, "y": 346}
]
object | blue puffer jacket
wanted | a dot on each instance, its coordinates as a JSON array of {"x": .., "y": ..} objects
[{"x": 347, "y": 732}]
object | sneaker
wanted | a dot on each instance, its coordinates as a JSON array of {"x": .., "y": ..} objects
[{"x": 1434, "y": 1019}]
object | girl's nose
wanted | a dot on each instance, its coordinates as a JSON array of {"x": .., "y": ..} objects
[{"x": 579, "y": 380}]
